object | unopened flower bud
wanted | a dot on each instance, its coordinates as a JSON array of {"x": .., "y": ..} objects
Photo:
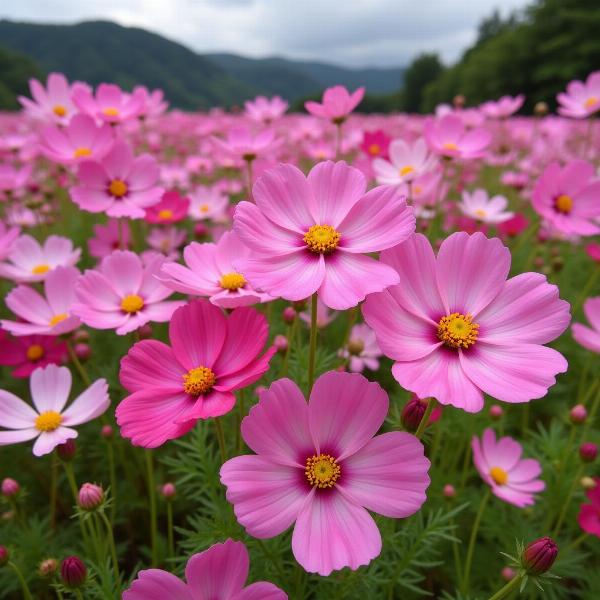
[
  {"x": 449, "y": 491},
  {"x": 107, "y": 432},
  {"x": 459, "y": 101},
  {"x": 10, "y": 487},
  {"x": 300, "y": 305},
  {"x": 66, "y": 451},
  {"x": 145, "y": 331},
  {"x": 168, "y": 491},
  {"x": 496, "y": 412},
  {"x": 539, "y": 556},
  {"x": 48, "y": 567},
  {"x": 578, "y": 414},
  {"x": 4, "y": 556},
  {"x": 259, "y": 390},
  {"x": 588, "y": 451},
  {"x": 83, "y": 351},
  {"x": 412, "y": 413},
  {"x": 73, "y": 572},
  {"x": 200, "y": 230},
  {"x": 540, "y": 109},
  {"x": 508, "y": 573},
  {"x": 90, "y": 496},
  {"x": 587, "y": 483},
  {"x": 288, "y": 315},
  {"x": 81, "y": 335},
  {"x": 281, "y": 343}
]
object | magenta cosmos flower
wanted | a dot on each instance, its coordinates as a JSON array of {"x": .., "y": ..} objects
[
  {"x": 218, "y": 573},
  {"x": 581, "y": 99},
  {"x": 50, "y": 314},
  {"x": 589, "y": 337},
  {"x": 337, "y": 103},
  {"x": 171, "y": 208},
  {"x": 120, "y": 185},
  {"x": 49, "y": 422},
  {"x": 209, "y": 272},
  {"x": 27, "y": 353},
  {"x": 210, "y": 357},
  {"x": 123, "y": 294},
  {"x": 448, "y": 137},
  {"x": 32, "y": 261},
  {"x": 311, "y": 234},
  {"x": 567, "y": 198},
  {"x": 499, "y": 463},
  {"x": 110, "y": 104},
  {"x": 52, "y": 103},
  {"x": 318, "y": 465},
  {"x": 500, "y": 109},
  {"x": 458, "y": 328},
  {"x": 589, "y": 514}
]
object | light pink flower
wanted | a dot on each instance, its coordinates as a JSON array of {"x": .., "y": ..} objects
[
  {"x": 458, "y": 328},
  {"x": 362, "y": 349},
  {"x": 110, "y": 104},
  {"x": 52, "y": 103},
  {"x": 479, "y": 206},
  {"x": 172, "y": 387},
  {"x": 166, "y": 241},
  {"x": 8, "y": 235},
  {"x": 499, "y": 463},
  {"x": 14, "y": 180},
  {"x": 241, "y": 143},
  {"x": 106, "y": 238},
  {"x": 49, "y": 422},
  {"x": 51, "y": 314},
  {"x": 123, "y": 294},
  {"x": 266, "y": 110},
  {"x": 208, "y": 203},
  {"x": 589, "y": 337},
  {"x": 406, "y": 163},
  {"x": 310, "y": 234},
  {"x": 30, "y": 261},
  {"x": 218, "y": 573},
  {"x": 209, "y": 272},
  {"x": 337, "y": 103},
  {"x": 448, "y": 137},
  {"x": 318, "y": 465},
  {"x": 500, "y": 109},
  {"x": 581, "y": 99},
  {"x": 119, "y": 185}
]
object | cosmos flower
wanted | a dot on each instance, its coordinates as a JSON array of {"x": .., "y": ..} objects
[
  {"x": 110, "y": 104},
  {"x": 106, "y": 238},
  {"x": 52, "y": 103},
  {"x": 581, "y": 99},
  {"x": 479, "y": 206},
  {"x": 406, "y": 163},
  {"x": 361, "y": 350},
  {"x": 241, "y": 143},
  {"x": 337, "y": 103},
  {"x": 499, "y": 463},
  {"x": 311, "y": 234},
  {"x": 375, "y": 144},
  {"x": 266, "y": 110},
  {"x": 49, "y": 422},
  {"x": 319, "y": 467},
  {"x": 171, "y": 208},
  {"x": 457, "y": 328},
  {"x": 29, "y": 352},
  {"x": 500, "y": 109},
  {"x": 172, "y": 387},
  {"x": 589, "y": 337},
  {"x": 8, "y": 235},
  {"x": 208, "y": 203},
  {"x": 166, "y": 241},
  {"x": 448, "y": 137},
  {"x": 589, "y": 514}
]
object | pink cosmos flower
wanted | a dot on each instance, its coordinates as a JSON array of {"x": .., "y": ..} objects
[
  {"x": 106, "y": 238},
  {"x": 375, "y": 144},
  {"x": 218, "y": 573},
  {"x": 49, "y": 422},
  {"x": 567, "y": 198},
  {"x": 123, "y": 294},
  {"x": 500, "y": 109},
  {"x": 361, "y": 350},
  {"x": 208, "y": 203},
  {"x": 27, "y": 353},
  {"x": 209, "y": 272},
  {"x": 458, "y": 328},
  {"x": 448, "y": 137},
  {"x": 241, "y": 143},
  {"x": 52, "y": 103},
  {"x": 513, "y": 226},
  {"x": 266, "y": 110},
  {"x": 479, "y": 206},
  {"x": 499, "y": 463},
  {"x": 589, "y": 514},
  {"x": 80, "y": 140},
  {"x": 593, "y": 251},
  {"x": 110, "y": 104},
  {"x": 582, "y": 99},
  {"x": 318, "y": 465},
  {"x": 172, "y": 387},
  {"x": 166, "y": 241},
  {"x": 171, "y": 208},
  {"x": 14, "y": 180},
  {"x": 51, "y": 314},
  {"x": 406, "y": 163},
  {"x": 120, "y": 185},
  {"x": 337, "y": 103},
  {"x": 589, "y": 337},
  {"x": 30, "y": 261},
  {"x": 310, "y": 234},
  {"x": 153, "y": 102},
  {"x": 8, "y": 235},
  {"x": 324, "y": 315}
]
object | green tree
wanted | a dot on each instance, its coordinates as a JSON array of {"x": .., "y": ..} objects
[
  {"x": 423, "y": 69},
  {"x": 15, "y": 71}
]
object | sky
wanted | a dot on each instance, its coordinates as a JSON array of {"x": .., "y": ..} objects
[{"x": 353, "y": 33}]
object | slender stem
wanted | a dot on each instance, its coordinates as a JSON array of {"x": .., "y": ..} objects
[
  {"x": 425, "y": 418},
  {"x": 220, "y": 438},
  {"x": 352, "y": 316},
  {"x": 291, "y": 337},
  {"x": 120, "y": 233},
  {"x": 24, "y": 587},
  {"x": 249, "y": 180},
  {"x": 567, "y": 502},
  {"x": 170, "y": 543},
  {"x": 589, "y": 284},
  {"x": 77, "y": 364},
  {"x": 78, "y": 594},
  {"x": 313, "y": 342},
  {"x": 456, "y": 553},
  {"x": 338, "y": 140},
  {"x": 471, "y": 548},
  {"x": 53, "y": 489},
  {"x": 152, "y": 496},
  {"x": 113, "y": 479},
  {"x": 507, "y": 589},
  {"x": 113, "y": 549}
]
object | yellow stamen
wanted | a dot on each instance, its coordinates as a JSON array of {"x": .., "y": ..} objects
[
  {"x": 56, "y": 319},
  {"x": 458, "y": 331},
  {"x": 450, "y": 146},
  {"x": 35, "y": 352},
  {"x": 165, "y": 214},
  {"x": 481, "y": 213},
  {"x": 117, "y": 188},
  {"x": 322, "y": 471},
  {"x": 48, "y": 421},
  {"x": 132, "y": 303},
  {"x": 204, "y": 208},
  {"x": 232, "y": 281},
  {"x": 564, "y": 204},
  {"x": 591, "y": 101},
  {"x": 40, "y": 269},
  {"x": 374, "y": 149},
  {"x": 198, "y": 381},
  {"x": 81, "y": 152},
  {"x": 417, "y": 189},
  {"x": 499, "y": 475},
  {"x": 59, "y": 110},
  {"x": 111, "y": 111},
  {"x": 406, "y": 170},
  {"x": 322, "y": 239}
]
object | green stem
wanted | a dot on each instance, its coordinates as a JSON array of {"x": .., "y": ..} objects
[
  {"x": 152, "y": 496},
  {"x": 170, "y": 543},
  {"x": 567, "y": 502},
  {"x": 77, "y": 364},
  {"x": 291, "y": 337},
  {"x": 586, "y": 290},
  {"x": 249, "y": 180},
  {"x": 53, "y": 489},
  {"x": 576, "y": 543},
  {"x": 507, "y": 589},
  {"x": 425, "y": 418},
  {"x": 113, "y": 479},
  {"x": 78, "y": 594},
  {"x": 338, "y": 140},
  {"x": 220, "y": 439},
  {"x": 471, "y": 548},
  {"x": 113, "y": 549},
  {"x": 313, "y": 342},
  {"x": 272, "y": 559},
  {"x": 24, "y": 587}
]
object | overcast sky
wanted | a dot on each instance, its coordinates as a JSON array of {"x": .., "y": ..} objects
[{"x": 349, "y": 32}]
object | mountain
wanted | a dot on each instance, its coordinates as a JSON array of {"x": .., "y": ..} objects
[{"x": 97, "y": 51}]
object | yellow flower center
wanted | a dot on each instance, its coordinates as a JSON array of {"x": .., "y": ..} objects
[
  {"x": 232, "y": 281},
  {"x": 564, "y": 204},
  {"x": 132, "y": 303},
  {"x": 35, "y": 352},
  {"x": 165, "y": 214},
  {"x": 458, "y": 331},
  {"x": 591, "y": 101},
  {"x": 450, "y": 146},
  {"x": 374, "y": 149},
  {"x": 48, "y": 421},
  {"x": 81, "y": 152},
  {"x": 59, "y": 110},
  {"x": 355, "y": 347},
  {"x": 322, "y": 239},
  {"x": 499, "y": 475},
  {"x": 56, "y": 319},
  {"x": 406, "y": 170},
  {"x": 417, "y": 189},
  {"x": 110, "y": 111},
  {"x": 204, "y": 208},
  {"x": 481, "y": 213},
  {"x": 117, "y": 188},
  {"x": 198, "y": 381},
  {"x": 322, "y": 470},
  {"x": 40, "y": 269}
]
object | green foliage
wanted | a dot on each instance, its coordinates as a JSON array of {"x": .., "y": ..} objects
[
  {"x": 15, "y": 71},
  {"x": 423, "y": 70}
]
